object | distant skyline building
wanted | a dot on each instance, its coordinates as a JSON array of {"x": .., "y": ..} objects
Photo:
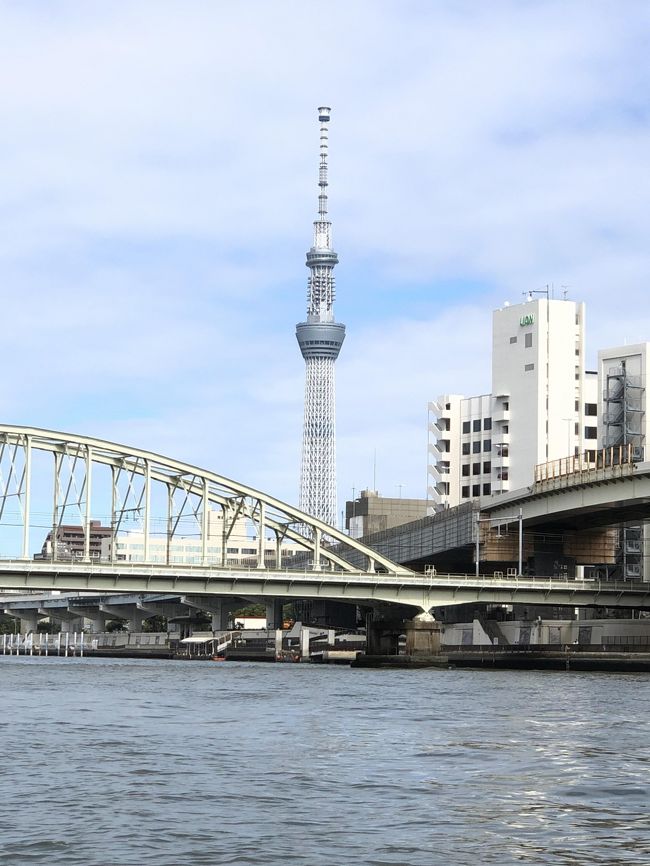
[{"x": 320, "y": 339}]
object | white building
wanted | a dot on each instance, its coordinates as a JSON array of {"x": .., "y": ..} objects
[
  {"x": 542, "y": 407},
  {"x": 240, "y": 546}
]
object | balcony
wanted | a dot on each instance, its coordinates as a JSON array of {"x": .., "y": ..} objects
[
  {"x": 439, "y": 426},
  {"x": 436, "y": 471}
]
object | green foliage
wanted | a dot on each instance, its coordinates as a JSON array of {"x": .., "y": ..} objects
[{"x": 251, "y": 610}]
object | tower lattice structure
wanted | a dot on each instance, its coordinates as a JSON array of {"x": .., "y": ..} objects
[{"x": 320, "y": 339}]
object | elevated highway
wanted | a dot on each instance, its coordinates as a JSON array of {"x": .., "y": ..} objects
[
  {"x": 568, "y": 510},
  {"x": 579, "y": 500}
]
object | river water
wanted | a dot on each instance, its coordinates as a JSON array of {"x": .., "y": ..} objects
[{"x": 152, "y": 762}]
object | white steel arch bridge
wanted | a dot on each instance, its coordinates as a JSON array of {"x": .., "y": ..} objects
[{"x": 50, "y": 479}]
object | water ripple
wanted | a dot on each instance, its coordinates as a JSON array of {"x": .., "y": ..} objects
[{"x": 136, "y": 763}]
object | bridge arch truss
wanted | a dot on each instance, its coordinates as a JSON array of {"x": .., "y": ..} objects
[{"x": 50, "y": 479}]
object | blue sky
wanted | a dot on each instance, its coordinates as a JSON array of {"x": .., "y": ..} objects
[{"x": 158, "y": 166}]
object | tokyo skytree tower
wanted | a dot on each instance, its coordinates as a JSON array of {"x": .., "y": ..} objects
[{"x": 320, "y": 339}]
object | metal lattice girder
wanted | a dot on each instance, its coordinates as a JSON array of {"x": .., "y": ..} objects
[{"x": 138, "y": 477}]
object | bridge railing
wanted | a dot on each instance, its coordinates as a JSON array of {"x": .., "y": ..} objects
[
  {"x": 606, "y": 463},
  {"x": 206, "y": 573}
]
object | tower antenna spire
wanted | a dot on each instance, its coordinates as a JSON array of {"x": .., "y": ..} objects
[
  {"x": 324, "y": 118},
  {"x": 320, "y": 339}
]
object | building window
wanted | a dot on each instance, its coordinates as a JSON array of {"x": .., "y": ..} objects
[
  {"x": 487, "y": 444},
  {"x": 590, "y": 409},
  {"x": 528, "y": 341},
  {"x": 476, "y": 447},
  {"x": 503, "y": 475},
  {"x": 465, "y": 492},
  {"x": 506, "y": 406},
  {"x": 576, "y": 428},
  {"x": 465, "y": 447},
  {"x": 476, "y": 426},
  {"x": 487, "y": 466},
  {"x": 576, "y": 405},
  {"x": 505, "y": 428},
  {"x": 591, "y": 432},
  {"x": 476, "y": 468},
  {"x": 487, "y": 423},
  {"x": 476, "y": 490},
  {"x": 529, "y": 367},
  {"x": 466, "y": 426},
  {"x": 487, "y": 488},
  {"x": 465, "y": 470},
  {"x": 513, "y": 340}
]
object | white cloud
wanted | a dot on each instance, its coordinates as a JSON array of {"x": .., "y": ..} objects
[{"x": 157, "y": 184}]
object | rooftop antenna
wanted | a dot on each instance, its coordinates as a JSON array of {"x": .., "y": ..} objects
[{"x": 545, "y": 291}]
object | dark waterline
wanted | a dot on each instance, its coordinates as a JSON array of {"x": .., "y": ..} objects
[{"x": 141, "y": 762}]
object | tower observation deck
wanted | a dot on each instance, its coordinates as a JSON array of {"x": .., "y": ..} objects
[{"x": 320, "y": 339}]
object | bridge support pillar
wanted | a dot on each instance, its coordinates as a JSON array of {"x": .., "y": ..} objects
[
  {"x": 274, "y": 613},
  {"x": 382, "y": 636},
  {"x": 93, "y": 615},
  {"x": 130, "y": 612},
  {"x": 64, "y": 619},
  {"x": 422, "y": 636},
  {"x": 28, "y": 619},
  {"x": 220, "y": 612}
]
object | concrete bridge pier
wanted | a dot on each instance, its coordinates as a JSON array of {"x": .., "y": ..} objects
[
  {"x": 423, "y": 634},
  {"x": 130, "y": 612},
  {"x": 382, "y": 636},
  {"x": 28, "y": 619},
  {"x": 274, "y": 613},
  {"x": 66, "y": 620},
  {"x": 93, "y": 615},
  {"x": 219, "y": 609}
]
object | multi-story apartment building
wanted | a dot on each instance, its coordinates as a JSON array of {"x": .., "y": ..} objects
[
  {"x": 542, "y": 407},
  {"x": 70, "y": 541}
]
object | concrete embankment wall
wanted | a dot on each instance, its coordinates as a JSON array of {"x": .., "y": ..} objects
[{"x": 610, "y": 633}]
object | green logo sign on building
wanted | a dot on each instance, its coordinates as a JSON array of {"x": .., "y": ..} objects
[{"x": 527, "y": 320}]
